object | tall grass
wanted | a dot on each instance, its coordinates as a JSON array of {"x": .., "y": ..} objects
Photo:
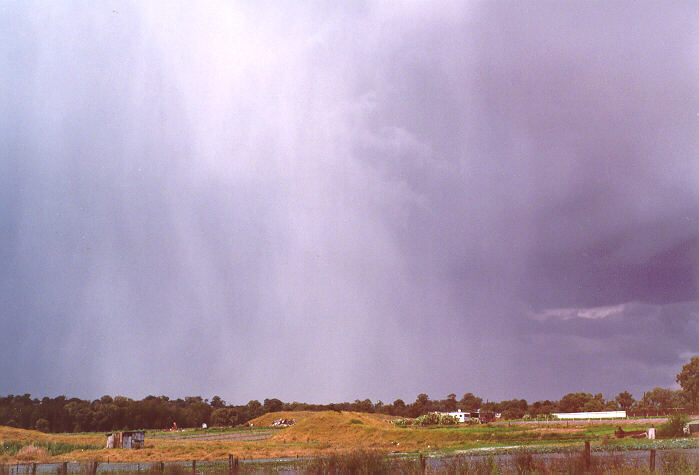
[
  {"x": 13, "y": 447},
  {"x": 360, "y": 463},
  {"x": 522, "y": 463}
]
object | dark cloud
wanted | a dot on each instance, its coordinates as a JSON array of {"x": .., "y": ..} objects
[
  {"x": 602, "y": 349},
  {"x": 326, "y": 203}
]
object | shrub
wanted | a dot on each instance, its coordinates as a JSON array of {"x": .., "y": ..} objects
[
  {"x": 448, "y": 420},
  {"x": 673, "y": 427},
  {"x": 403, "y": 422},
  {"x": 429, "y": 419}
]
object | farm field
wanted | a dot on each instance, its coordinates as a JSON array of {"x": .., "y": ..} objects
[{"x": 326, "y": 433}]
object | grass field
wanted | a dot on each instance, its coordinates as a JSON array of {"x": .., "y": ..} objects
[{"x": 321, "y": 434}]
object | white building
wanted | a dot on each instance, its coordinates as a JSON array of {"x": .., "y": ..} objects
[
  {"x": 460, "y": 416},
  {"x": 591, "y": 415}
]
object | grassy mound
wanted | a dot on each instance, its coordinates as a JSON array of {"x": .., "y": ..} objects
[
  {"x": 22, "y": 435},
  {"x": 348, "y": 428},
  {"x": 267, "y": 419}
]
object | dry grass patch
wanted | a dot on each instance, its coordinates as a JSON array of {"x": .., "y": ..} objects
[
  {"x": 32, "y": 453},
  {"x": 23, "y": 435}
]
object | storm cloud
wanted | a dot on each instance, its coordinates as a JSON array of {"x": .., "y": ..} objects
[{"x": 324, "y": 203}]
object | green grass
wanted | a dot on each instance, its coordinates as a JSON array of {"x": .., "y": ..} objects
[{"x": 11, "y": 447}]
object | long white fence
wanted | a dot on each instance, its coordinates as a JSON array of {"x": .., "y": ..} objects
[{"x": 591, "y": 415}]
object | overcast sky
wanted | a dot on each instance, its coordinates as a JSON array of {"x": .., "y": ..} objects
[{"x": 322, "y": 203}]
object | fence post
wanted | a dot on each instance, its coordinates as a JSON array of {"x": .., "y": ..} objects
[
  {"x": 652, "y": 460},
  {"x": 162, "y": 467},
  {"x": 235, "y": 465},
  {"x": 230, "y": 464},
  {"x": 422, "y": 464},
  {"x": 194, "y": 467},
  {"x": 93, "y": 469},
  {"x": 586, "y": 455},
  {"x": 64, "y": 467},
  {"x": 34, "y": 468}
]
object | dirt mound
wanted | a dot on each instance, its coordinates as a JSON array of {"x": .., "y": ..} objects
[
  {"x": 311, "y": 419},
  {"x": 266, "y": 420},
  {"x": 330, "y": 426}
]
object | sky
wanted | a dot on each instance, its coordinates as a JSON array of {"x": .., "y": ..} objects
[{"x": 330, "y": 201}]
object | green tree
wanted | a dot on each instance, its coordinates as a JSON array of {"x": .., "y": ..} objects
[
  {"x": 398, "y": 407},
  {"x": 662, "y": 399},
  {"x": 470, "y": 402},
  {"x": 450, "y": 403},
  {"x": 224, "y": 416},
  {"x": 689, "y": 380},
  {"x": 254, "y": 409},
  {"x": 217, "y": 402},
  {"x": 42, "y": 425},
  {"x": 272, "y": 405},
  {"x": 420, "y": 406},
  {"x": 575, "y": 402},
  {"x": 625, "y": 400},
  {"x": 595, "y": 404}
]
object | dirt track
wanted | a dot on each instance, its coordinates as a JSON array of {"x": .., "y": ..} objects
[{"x": 238, "y": 436}]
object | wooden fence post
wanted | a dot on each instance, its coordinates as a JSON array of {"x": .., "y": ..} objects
[
  {"x": 162, "y": 467},
  {"x": 586, "y": 455},
  {"x": 194, "y": 467},
  {"x": 64, "y": 467},
  {"x": 422, "y": 464},
  {"x": 93, "y": 469},
  {"x": 230, "y": 464},
  {"x": 652, "y": 460}
]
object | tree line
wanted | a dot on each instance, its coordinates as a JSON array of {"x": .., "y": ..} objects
[{"x": 108, "y": 413}]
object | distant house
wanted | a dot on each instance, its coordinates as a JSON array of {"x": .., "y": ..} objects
[
  {"x": 133, "y": 439},
  {"x": 591, "y": 415},
  {"x": 458, "y": 415}
]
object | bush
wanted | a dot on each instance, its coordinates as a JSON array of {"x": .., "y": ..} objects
[
  {"x": 673, "y": 427},
  {"x": 403, "y": 422},
  {"x": 430, "y": 419},
  {"x": 447, "y": 420}
]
